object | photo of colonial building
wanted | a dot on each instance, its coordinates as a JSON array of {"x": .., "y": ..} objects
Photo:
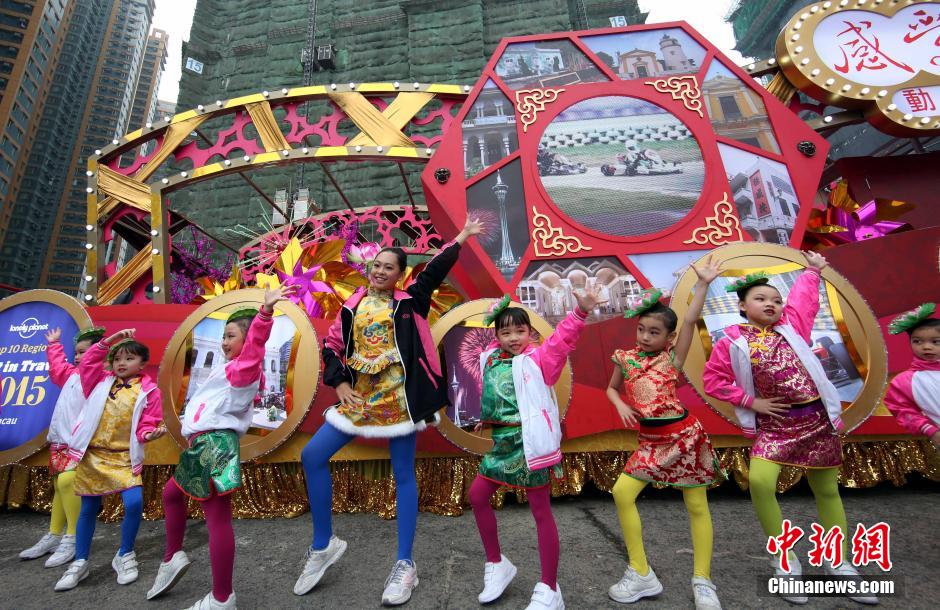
[
  {"x": 550, "y": 63},
  {"x": 763, "y": 195},
  {"x": 648, "y": 54},
  {"x": 489, "y": 131},
  {"x": 735, "y": 109},
  {"x": 548, "y": 287}
]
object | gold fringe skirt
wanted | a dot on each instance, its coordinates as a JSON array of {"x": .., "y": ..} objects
[{"x": 277, "y": 490}]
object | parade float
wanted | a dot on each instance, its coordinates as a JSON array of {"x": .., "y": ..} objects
[{"x": 610, "y": 157}]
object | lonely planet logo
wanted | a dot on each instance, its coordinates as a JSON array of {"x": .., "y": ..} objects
[{"x": 28, "y": 327}]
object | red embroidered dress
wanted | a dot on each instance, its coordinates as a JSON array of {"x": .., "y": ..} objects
[{"x": 673, "y": 446}]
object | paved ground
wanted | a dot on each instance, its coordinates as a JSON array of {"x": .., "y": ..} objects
[{"x": 450, "y": 560}]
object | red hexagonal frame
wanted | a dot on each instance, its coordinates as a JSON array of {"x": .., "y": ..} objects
[{"x": 553, "y": 236}]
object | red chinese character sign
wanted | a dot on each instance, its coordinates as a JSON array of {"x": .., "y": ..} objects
[
  {"x": 883, "y": 58},
  {"x": 615, "y": 156}
]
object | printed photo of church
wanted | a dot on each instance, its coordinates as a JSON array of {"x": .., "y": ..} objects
[
  {"x": 648, "y": 54},
  {"x": 489, "y": 131}
]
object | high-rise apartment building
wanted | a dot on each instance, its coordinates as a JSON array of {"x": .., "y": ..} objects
[
  {"x": 148, "y": 80},
  {"x": 31, "y": 36},
  {"x": 237, "y": 47},
  {"x": 106, "y": 45}
]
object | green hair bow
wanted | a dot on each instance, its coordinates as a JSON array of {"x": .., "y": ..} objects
[
  {"x": 241, "y": 314},
  {"x": 751, "y": 279},
  {"x": 912, "y": 318},
  {"x": 93, "y": 334},
  {"x": 649, "y": 298},
  {"x": 497, "y": 308}
]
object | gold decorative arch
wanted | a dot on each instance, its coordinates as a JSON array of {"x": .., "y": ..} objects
[{"x": 382, "y": 136}]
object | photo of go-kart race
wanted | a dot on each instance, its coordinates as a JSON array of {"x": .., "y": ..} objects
[
  {"x": 636, "y": 161},
  {"x": 620, "y": 166}
]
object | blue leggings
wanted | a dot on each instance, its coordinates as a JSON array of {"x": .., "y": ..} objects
[
  {"x": 316, "y": 460},
  {"x": 133, "y": 499}
]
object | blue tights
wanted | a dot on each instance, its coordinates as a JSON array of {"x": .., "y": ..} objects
[
  {"x": 133, "y": 499},
  {"x": 316, "y": 461}
]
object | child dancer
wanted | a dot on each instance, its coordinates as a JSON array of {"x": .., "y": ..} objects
[
  {"x": 914, "y": 395},
  {"x": 767, "y": 370},
  {"x": 673, "y": 448},
  {"x": 122, "y": 411},
  {"x": 217, "y": 415},
  {"x": 65, "y": 504},
  {"x": 519, "y": 403}
]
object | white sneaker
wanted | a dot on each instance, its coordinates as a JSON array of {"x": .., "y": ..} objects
[
  {"x": 633, "y": 586},
  {"x": 46, "y": 544},
  {"x": 496, "y": 577},
  {"x": 400, "y": 583},
  {"x": 126, "y": 567},
  {"x": 316, "y": 563},
  {"x": 64, "y": 553},
  {"x": 210, "y": 603},
  {"x": 848, "y": 570},
  {"x": 169, "y": 573},
  {"x": 706, "y": 594},
  {"x": 796, "y": 573},
  {"x": 543, "y": 598},
  {"x": 77, "y": 572}
]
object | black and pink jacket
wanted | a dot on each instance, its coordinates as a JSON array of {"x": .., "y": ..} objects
[{"x": 425, "y": 391}]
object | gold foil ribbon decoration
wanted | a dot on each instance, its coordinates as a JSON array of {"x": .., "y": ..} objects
[
  {"x": 682, "y": 88},
  {"x": 530, "y": 102},
  {"x": 272, "y": 490}
]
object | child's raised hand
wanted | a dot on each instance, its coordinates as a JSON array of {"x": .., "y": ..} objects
[
  {"x": 155, "y": 433},
  {"x": 473, "y": 227},
  {"x": 53, "y": 335},
  {"x": 627, "y": 415},
  {"x": 708, "y": 271},
  {"x": 935, "y": 440},
  {"x": 589, "y": 298},
  {"x": 121, "y": 335},
  {"x": 271, "y": 297},
  {"x": 815, "y": 260},
  {"x": 774, "y": 407}
]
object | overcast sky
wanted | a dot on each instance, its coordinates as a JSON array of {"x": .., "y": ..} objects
[{"x": 707, "y": 16}]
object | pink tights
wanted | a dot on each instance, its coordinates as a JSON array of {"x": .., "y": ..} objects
[
  {"x": 218, "y": 510},
  {"x": 540, "y": 502}
]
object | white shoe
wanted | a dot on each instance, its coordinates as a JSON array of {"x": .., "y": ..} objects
[
  {"x": 77, "y": 572},
  {"x": 210, "y": 603},
  {"x": 126, "y": 567},
  {"x": 316, "y": 563},
  {"x": 64, "y": 553},
  {"x": 706, "y": 594},
  {"x": 848, "y": 570},
  {"x": 46, "y": 544},
  {"x": 796, "y": 573},
  {"x": 496, "y": 577},
  {"x": 543, "y": 598},
  {"x": 632, "y": 586},
  {"x": 400, "y": 583},
  {"x": 169, "y": 573}
]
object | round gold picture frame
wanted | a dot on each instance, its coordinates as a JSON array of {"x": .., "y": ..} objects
[
  {"x": 301, "y": 385},
  {"x": 471, "y": 314},
  {"x": 78, "y": 313},
  {"x": 854, "y": 319}
]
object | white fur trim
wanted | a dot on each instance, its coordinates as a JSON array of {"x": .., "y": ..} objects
[{"x": 342, "y": 423}]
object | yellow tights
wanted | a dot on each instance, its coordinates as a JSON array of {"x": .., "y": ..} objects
[
  {"x": 823, "y": 481},
  {"x": 65, "y": 504},
  {"x": 625, "y": 493}
]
